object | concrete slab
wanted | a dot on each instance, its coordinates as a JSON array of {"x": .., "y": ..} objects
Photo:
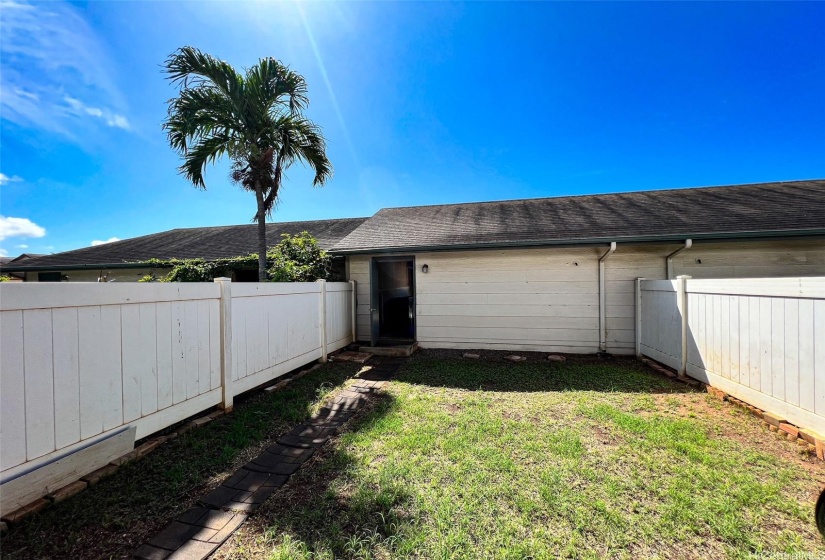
[
  {"x": 400, "y": 351},
  {"x": 349, "y": 356}
]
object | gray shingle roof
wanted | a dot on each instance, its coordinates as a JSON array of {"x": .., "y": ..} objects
[
  {"x": 792, "y": 208},
  {"x": 205, "y": 242}
]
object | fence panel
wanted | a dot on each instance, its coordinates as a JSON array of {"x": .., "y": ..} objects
[
  {"x": 661, "y": 326},
  {"x": 79, "y": 360},
  {"x": 756, "y": 339},
  {"x": 83, "y": 363},
  {"x": 339, "y": 315},
  {"x": 276, "y": 327}
]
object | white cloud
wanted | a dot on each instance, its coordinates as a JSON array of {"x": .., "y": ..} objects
[
  {"x": 51, "y": 55},
  {"x": 97, "y": 242},
  {"x": 112, "y": 119},
  {"x": 6, "y": 179},
  {"x": 23, "y": 246},
  {"x": 19, "y": 227},
  {"x": 3, "y": 252}
]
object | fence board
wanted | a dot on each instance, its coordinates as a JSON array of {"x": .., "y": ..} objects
[
  {"x": 132, "y": 362},
  {"x": 819, "y": 358},
  {"x": 12, "y": 389},
  {"x": 111, "y": 372},
  {"x": 791, "y": 351},
  {"x": 163, "y": 346},
  {"x": 66, "y": 378},
  {"x": 37, "y": 334},
  {"x": 149, "y": 358},
  {"x": 90, "y": 363}
]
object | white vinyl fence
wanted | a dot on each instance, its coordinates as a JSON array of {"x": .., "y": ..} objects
[
  {"x": 79, "y": 361},
  {"x": 760, "y": 340}
]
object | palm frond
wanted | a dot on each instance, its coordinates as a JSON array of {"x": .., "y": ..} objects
[
  {"x": 308, "y": 145},
  {"x": 204, "y": 152},
  {"x": 274, "y": 84},
  {"x": 190, "y": 67},
  {"x": 197, "y": 113}
]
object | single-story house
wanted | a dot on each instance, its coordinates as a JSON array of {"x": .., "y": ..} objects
[
  {"x": 548, "y": 274},
  {"x": 6, "y": 262},
  {"x": 125, "y": 261},
  {"x": 558, "y": 274}
]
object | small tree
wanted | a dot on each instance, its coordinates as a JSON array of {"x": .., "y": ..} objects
[
  {"x": 255, "y": 118},
  {"x": 299, "y": 258}
]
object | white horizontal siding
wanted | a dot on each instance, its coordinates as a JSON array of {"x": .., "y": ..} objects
[
  {"x": 497, "y": 298},
  {"x": 753, "y": 259}
]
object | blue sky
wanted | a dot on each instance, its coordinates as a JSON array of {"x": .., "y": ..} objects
[{"x": 421, "y": 103}]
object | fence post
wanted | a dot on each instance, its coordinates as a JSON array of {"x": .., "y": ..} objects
[
  {"x": 639, "y": 317},
  {"x": 226, "y": 341},
  {"x": 681, "y": 305},
  {"x": 323, "y": 320},
  {"x": 354, "y": 314}
]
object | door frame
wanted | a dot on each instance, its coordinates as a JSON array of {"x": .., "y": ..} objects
[{"x": 375, "y": 317}]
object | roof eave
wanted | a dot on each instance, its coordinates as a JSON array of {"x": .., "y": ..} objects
[
  {"x": 586, "y": 241},
  {"x": 40, "y": 268}
]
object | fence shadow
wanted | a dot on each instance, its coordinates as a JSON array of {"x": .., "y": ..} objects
[
  {"x": 320, "y": 509},
  {"x": 492, "y": 372}
]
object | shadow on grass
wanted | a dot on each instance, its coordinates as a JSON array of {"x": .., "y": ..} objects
[
  {"x": 491, "y": 372},
  {"x": 325, "y": 512},
  {"x": 111, "y": 518}
]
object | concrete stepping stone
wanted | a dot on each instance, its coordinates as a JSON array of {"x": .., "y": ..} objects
[
  {"x": 515, "y": 358},
  {"x": 303, "y": 443},
  {"x": 197, "y": 533},
  {"x": 363, "y": 390},
  {"x": 304, "y": 430},
  {"x": 279, "y": 459},
  {"x": 245, "y": 490},
  {"x": 329, "y": 418}
]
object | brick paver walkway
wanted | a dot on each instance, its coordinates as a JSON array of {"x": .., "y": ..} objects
[{"x": 199, "y": 531}]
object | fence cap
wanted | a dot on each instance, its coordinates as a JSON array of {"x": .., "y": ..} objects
[{"x": 222, "y": 279}]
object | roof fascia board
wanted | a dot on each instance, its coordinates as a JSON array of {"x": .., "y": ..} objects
[
  {"x": 40, "y": 268},
  {"x": 680, "y": 238}
]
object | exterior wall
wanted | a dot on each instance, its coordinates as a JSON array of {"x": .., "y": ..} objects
[
  {"x": 547, "y": 299},
  {"x": 358, "y": 269},
  {"x": 753, "y": 259}
]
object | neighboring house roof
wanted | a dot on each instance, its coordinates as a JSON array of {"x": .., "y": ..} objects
[
  {"x": 208, "y": 243},
  {"x": 759, "y": 210},
  {"x": 20, "y": 258}
]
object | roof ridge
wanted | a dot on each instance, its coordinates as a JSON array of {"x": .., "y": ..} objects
[{"x": 253, "y": 224}]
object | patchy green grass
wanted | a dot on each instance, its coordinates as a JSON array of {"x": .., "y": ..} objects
[
  {"x": 586, "y": 459},
  {"x": 113, "y": 517}
]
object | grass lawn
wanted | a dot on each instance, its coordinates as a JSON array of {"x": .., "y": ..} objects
[
  {"x": 112, "y": 518},
  {"x": 585, "y": 459}
]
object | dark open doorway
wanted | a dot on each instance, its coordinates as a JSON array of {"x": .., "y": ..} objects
[{"x": 392, "y": 309}]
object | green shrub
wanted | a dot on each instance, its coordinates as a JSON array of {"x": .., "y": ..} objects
[{"x": 297, "y": 258}]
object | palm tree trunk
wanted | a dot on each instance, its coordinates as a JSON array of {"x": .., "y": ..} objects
[{"x": 259, "y": 195}]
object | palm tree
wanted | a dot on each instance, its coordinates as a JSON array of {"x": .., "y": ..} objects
[{"x": 255, "y": 118}]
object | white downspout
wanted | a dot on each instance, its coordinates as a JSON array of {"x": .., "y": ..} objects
[
  {"x": 603, "y": 299},
  {"x": 688, "y": 245}
]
